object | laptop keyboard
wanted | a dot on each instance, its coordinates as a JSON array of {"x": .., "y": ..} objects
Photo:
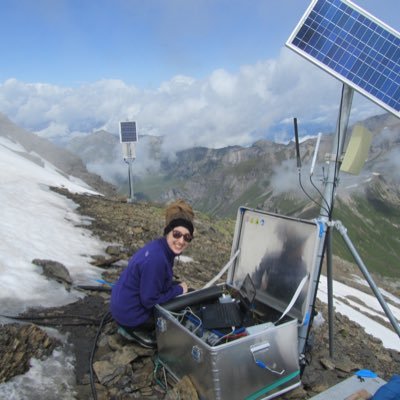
[
  {"x": 221, "y": 315},
  {"x": 226, "y": 315}
]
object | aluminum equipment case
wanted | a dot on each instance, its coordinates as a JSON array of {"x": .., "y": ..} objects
[{"x": 259, "y": 360}]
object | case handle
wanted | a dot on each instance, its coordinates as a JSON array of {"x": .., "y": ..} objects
[{"x": 258, "y": 349}]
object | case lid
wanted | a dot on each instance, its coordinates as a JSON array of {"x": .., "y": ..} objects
[{"x": 278, "y": 252}]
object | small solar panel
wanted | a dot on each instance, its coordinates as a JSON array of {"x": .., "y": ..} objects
[
  {"x": 353, "y": 46},
  {"x": 127, "y": 132}
]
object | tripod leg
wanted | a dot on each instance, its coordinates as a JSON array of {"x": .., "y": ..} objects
[
  {"x": 329, "y": 278},
  {"x": 343, "y": 231}
]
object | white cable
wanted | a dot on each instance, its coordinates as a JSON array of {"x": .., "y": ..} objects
[
  {"x": 223, "y": 270},
  {"x": 295, "y": 296}
]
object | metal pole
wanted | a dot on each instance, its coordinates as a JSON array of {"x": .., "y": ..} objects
[
  {"x": 131, "y": 195},
  {"x": 304, "y": 329},
  {"x": 337, "y": 149},
  {"x": 343, "y": 231},
  {"x": 329, "y": 277},
  {"x": 331, "y": 183},
  {"x": 330, "y": 192},
  {"x": 326, "y": 210},
  {"x": 129, "y": 153}
]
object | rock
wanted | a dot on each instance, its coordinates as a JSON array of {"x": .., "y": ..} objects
[
  {"x": 395, "y": 355},
  {"x": 298, "y": 393},
  {"x": 18, "y": 344},
  {"x": 184, "y": 389},
  {"x": 143, "y": 375},
  {"x": 103, "y": 262},
  {"x": 114, "y": 364},
  {"x": 327, "y": 364},
  {"x": 321, "y": 387},
  {"x": 346, "y": 365},
  {"x": 106, "y": 371},
  {"x": 124, "y": 356},
  {"x": 114, "y": 342},
  {"x": 113, "y": 250},
  {"x": 384, "y": 357},
  {"x": 54, "y": 270}
]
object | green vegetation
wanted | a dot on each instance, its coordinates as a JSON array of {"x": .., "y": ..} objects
[
  {"x": 373, "y": 232},
  {"x": 153, "y": 186},
  {"x": 244, "y": 168}
]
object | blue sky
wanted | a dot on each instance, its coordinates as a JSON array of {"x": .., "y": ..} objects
[
  {"x": 68, "y": 42},
  {"x": 207, "y": 72}
]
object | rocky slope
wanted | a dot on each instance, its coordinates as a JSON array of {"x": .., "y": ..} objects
[{"x": 119, "y": 369}]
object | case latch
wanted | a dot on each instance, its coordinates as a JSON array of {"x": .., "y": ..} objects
[
  {"x": 257, "y": 351},
  {"x": 197, "y": 354}
]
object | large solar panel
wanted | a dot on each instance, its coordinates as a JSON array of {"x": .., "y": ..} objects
[
  {"x": 353, "y": 46},
  {"x": 127, "y": 132}
]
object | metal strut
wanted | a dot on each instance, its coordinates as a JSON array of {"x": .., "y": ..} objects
[{"x": 343, "y": 231}]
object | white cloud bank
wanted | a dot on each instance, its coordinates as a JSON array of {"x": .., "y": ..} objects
[{"x": 226, "y": 108}]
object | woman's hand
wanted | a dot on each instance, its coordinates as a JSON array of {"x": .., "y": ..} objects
[{"x": 184, "y": 286}]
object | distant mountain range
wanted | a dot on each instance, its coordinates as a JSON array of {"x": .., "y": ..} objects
[
  {"x": 218, "y": 180},
  {"x": 263, "y": 175}
]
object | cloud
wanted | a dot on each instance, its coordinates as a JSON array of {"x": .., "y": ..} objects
[
  {"x": 116, "y": 170},
  {"x": 387, "y": 142},
  {"x": 225, "y": 108},
  {"x": 285, "y": 177}
]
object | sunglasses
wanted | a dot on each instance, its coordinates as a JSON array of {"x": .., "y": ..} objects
[{"x": 187, "y": 237}]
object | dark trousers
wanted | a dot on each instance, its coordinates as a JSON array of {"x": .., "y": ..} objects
[{"x": 147, "y": 326}]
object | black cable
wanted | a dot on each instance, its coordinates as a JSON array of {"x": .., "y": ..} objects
[
  {"x": 106, "y": 318},
  {"x": 95, "y": 288},
  {"x": 44, "y": 317},
  {"x": 296, "y": 135},
  {"x": 304, "y": 191},
  {"x": 71, "y": 323},
  {"x": 327, "y": 209}
]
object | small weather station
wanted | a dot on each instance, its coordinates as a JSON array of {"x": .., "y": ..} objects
[
  {"x": 129, "y": 138},
  {"x": 364, "y": 54}
]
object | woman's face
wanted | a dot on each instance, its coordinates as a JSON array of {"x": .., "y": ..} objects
[{"x": 178, "y": 239}]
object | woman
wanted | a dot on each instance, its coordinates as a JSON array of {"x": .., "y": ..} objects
[{"x": 148, "y": 278}]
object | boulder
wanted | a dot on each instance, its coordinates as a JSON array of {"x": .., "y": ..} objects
[{"x": 54, "y": 270}]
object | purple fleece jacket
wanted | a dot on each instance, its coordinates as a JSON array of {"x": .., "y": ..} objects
[{"x": 145, "y": 282}]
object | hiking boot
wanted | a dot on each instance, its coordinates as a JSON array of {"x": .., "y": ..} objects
[{"x": 143, "y": 338}]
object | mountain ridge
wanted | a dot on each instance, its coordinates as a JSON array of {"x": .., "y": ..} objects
[
  {"x": 216, "y": 180},
  {"x": 37, "y": 148},
  {"x": 264, "y": 175}
]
